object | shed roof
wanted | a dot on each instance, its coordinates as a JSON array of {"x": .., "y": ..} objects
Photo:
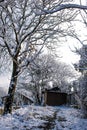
[
  {"x": 55, "y": 89},
  {"x": 26, "y": 93}
]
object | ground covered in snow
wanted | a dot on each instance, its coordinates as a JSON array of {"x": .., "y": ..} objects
[{"x": 44, "y": 118}]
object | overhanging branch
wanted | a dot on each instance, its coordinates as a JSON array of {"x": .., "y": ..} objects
[{"x": 60, "y": 7}]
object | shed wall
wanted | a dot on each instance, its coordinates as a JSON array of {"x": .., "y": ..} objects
[{"x": 55, "y": 98}]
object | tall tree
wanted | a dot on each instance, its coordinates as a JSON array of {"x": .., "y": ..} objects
[
  {"x": 82, "y": 88},
  {"x": 83, "y": 80},
  {"x": 22, "y": 31},
  {"x": 81, "y": 66}
]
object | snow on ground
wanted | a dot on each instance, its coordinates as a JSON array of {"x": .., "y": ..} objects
[
  {"x": 43, "y": 118},
  {"x": 70, "y": 119}
]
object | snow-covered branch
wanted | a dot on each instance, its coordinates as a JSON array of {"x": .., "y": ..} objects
[{"x": 59, "y": 8}]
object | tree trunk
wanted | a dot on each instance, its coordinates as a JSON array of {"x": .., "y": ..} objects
[
  {"x": 10, "y": 97},
  {"x": 84, "y": 110}
]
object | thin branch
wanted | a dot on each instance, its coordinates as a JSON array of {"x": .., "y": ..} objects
[
  {"x": 27, "y": 35},
  {"x": 1, "y": 1}
]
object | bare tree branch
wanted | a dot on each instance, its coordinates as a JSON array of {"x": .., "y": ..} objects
[{"x": 59, "y": 8}]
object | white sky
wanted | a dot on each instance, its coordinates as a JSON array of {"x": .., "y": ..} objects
[
  {"x": 82, "y": 1},
  {"x": 68, "y": 56},
  {"x": 4, "y": 81}
]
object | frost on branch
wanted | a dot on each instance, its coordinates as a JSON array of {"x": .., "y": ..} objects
[{"x": 56, "y": 6}]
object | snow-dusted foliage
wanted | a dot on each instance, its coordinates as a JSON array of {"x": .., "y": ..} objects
[
  {"x": 83, "y": 60},
  {"x": 82, "y": 67},
  {"x": 45, "y": 72},
  {"x": 23, "y": 34}
]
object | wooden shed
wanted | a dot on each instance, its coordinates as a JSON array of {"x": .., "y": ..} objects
[
  {"x": 23, "y": 97},
  {"x": 54, "y": 97}
]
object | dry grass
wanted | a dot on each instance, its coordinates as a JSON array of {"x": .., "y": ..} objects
[{"x": 1, "y": 111}]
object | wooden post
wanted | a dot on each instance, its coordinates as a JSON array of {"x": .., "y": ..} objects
[{"x": 45, "y": 97}]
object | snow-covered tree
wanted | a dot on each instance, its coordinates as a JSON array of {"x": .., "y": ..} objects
[
  {"x": 22, "y": 31},
  {"x": 63, "y": 74},
  {"x": 83, "y": 81},
  {"x": 38, "y": 75},
  {"x": 82, "y": 88},
  {"x": 46, "y": 72}
]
